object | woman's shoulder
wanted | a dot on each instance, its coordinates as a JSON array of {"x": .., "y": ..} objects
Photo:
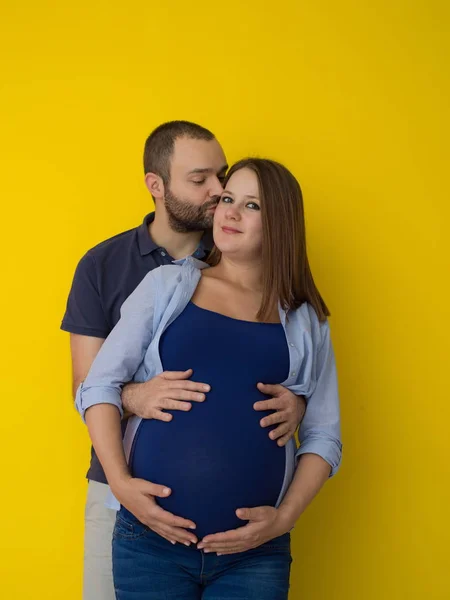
[
  {"x": 306, "y": 315},
  {"x": 164, "y": 280},
  {"x": 179, "y": 268},
  {"x": 175, "y": 270}
]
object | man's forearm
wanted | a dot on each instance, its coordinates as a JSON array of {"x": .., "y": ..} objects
[
  {"x": 311, "y": 473},
  {"x": 128, "y": 399},
  {"x": 103, "y": 422}
]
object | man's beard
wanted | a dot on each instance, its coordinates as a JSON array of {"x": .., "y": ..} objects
[{"x": 185, "y": 217}]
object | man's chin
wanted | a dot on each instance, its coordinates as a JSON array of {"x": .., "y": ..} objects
[
  {"x": 183, "y": 227},
  {"x": 208, "y": 221}
]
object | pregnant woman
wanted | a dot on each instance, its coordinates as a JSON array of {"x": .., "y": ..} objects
[{"x": 253, "y": 314}]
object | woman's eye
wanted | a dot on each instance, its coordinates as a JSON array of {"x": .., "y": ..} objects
[
  {"x": 253, "y": 205},
  {"x": 227, "y": 199}
]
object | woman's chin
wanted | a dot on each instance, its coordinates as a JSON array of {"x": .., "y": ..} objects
[{"x": 228, "y": 248}]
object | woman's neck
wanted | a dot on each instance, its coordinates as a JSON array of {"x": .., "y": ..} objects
[{"x": 244, "y": 274}]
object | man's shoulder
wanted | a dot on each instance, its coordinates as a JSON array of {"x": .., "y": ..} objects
[
  {"x": 113, "y": 245},
  {"x": 104, "y": 277}
]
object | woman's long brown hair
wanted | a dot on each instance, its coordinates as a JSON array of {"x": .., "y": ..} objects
[{"x": 286, "y": 275}]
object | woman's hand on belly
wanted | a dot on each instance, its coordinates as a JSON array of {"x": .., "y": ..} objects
[
  {"x": 289, "y": 411},
  {"x": 138, "y": 496},
  {"x": 264, "y": 523}
]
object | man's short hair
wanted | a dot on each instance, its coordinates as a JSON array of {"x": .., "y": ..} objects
[{"x": 160, "y": 144}]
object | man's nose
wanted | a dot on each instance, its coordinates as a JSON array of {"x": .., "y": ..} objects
[{"x": 216, "y": 188}]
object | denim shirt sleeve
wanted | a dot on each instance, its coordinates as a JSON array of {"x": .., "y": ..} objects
[
  {"x": 320, "y": 429},
  {"x": 123, "y": 350}
]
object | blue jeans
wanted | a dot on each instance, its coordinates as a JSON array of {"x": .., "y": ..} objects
[{"x": 148, "y": 567}]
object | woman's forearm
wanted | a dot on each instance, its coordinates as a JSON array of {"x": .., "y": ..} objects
[
  {"x": 104, "y": 425},
  {"x": 311, "y": 473}
]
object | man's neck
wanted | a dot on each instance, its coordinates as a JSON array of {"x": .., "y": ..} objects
[{"x": 178, "y": 245}]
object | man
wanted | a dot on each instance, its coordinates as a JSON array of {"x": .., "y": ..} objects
[{"x": 184, "y": 168}]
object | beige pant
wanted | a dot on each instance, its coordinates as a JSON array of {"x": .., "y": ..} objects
[{"x": 98, "y": 528}]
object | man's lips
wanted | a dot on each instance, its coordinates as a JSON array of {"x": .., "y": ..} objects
[{"x": 230, "y": 230}]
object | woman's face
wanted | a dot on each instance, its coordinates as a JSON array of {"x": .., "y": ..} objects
[{"x": 237, "y": 226}]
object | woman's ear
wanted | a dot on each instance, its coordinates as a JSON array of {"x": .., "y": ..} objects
[{"x": 155, "y": 185}]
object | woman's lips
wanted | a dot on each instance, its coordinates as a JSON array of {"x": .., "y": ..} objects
[{"x": 230, "y": 230}]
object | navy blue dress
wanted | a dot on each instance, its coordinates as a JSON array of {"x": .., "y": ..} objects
[{"x": 216, "y": 457}]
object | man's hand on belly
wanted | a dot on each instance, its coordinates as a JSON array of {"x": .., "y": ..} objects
[
  {"x": 170, "y": 390},
  {"x": 290, "y": 410},
  {"x": 138, "y": 496},
  {"x": 264, "y": 523}
]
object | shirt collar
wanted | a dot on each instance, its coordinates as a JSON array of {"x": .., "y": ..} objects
[
  {"x": 205, "y": 246},
  {"x": 147, "y": 245},
  {"x": 145, "y": 242}
]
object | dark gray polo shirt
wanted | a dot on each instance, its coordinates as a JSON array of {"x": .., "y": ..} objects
[{"x": 104, "y": 278}]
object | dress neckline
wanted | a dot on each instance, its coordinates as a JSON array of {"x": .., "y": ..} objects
[{"x": 213, "y": 312}]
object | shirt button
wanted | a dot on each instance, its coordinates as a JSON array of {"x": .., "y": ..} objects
[
  {"x": 163, "y": 253},
  {"x": 293, "y": 374},
  {"x": 291, "y": 344}
]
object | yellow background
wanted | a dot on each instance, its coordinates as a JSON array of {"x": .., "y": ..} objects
[{"x": 353, "y": 96}]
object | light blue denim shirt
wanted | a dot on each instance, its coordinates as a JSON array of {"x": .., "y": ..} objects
[{"x": 131, "y": 353}]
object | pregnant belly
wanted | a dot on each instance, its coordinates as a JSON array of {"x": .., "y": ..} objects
[{"x": 215, "y": 461}]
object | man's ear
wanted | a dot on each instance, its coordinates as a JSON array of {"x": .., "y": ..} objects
[{"x": 155, "y": 185}]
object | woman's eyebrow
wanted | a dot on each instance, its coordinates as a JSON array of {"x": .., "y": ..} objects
[{"x": 248, "y": 196}]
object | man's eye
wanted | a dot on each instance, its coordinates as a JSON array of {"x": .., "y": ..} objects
[{"x": 199, "y": 181}]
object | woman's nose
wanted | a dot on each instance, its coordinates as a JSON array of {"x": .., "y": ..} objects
[{"x": 233, "y": 212}]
